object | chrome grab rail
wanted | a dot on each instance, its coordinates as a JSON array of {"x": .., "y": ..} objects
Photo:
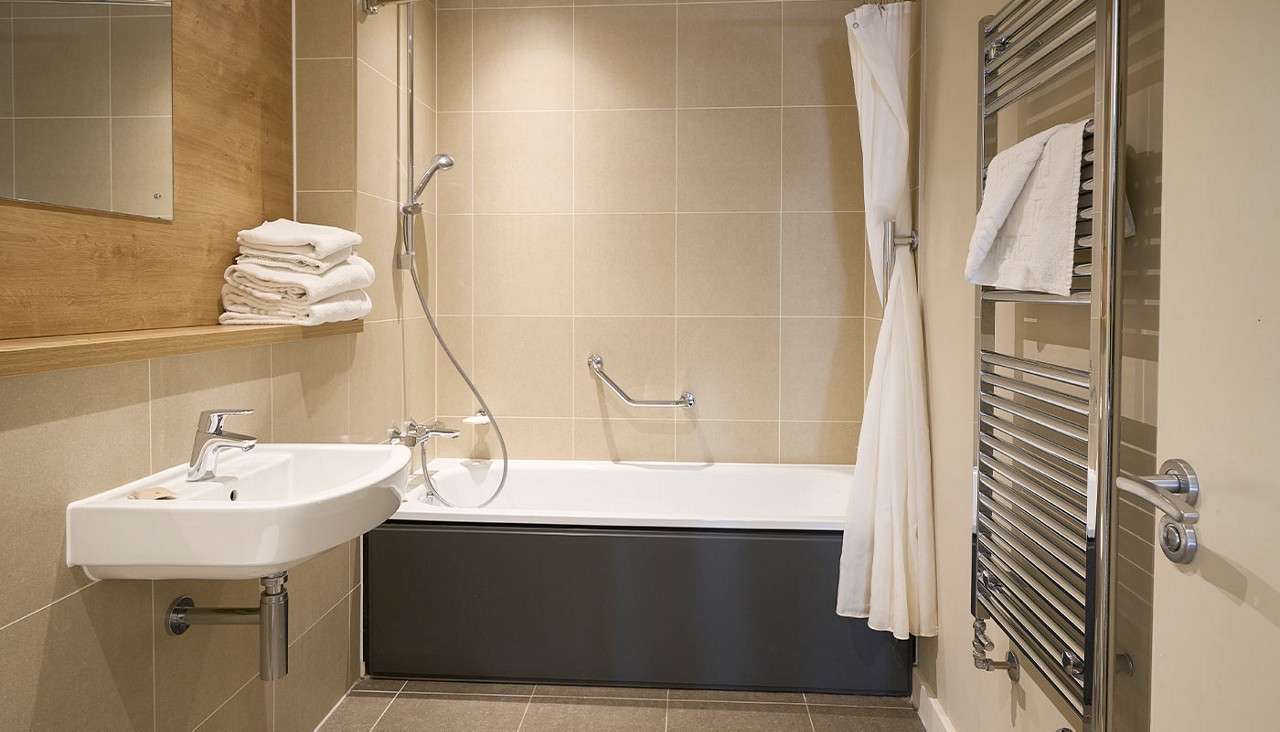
[
  {"x": 596, "y": 364},
  {"x": 1174, "y": 492}
]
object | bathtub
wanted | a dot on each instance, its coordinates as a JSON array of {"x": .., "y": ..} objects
[{"x": 628, "y": 574}]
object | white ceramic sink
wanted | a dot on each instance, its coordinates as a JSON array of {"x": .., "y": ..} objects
[{"x": 264, "y": 511}]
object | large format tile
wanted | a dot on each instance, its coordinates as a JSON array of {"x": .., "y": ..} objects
[
  {"x": 315, "y": 586},
  {"x": 83, "y": 663},
  {"x": 824, "y": 159},
  {"x": 623, "y": 439},
  {"x": 728, "y": 264},
  {"x": 357, "y": 713},
  {"x": 729, "y": 160},
  {"x": 378, "y": 223},
  {"x": 624, "y": 264},
  {"x": 455, "y": 189},
  {"x": 864, "y": 719},
  {"x": 523, "y": 365},
  {"x": 323, "y": 28},
  {"x": 310, "y": 386},
  {"x": 623, "y": 161},
  {"x": 522, "y": 265},
  {"x": 377, "y": 381},
  {"x": 378, "y": 166},
  {"x": 639, "y": 354},
  {"x": 822, "y": 368},
  {"x": 331, "y": 208},
  {"x": 527, "y": 438},
  {"x": 453, "y": 60},
  {"x": 250, "y": 710},
  {"x": 816, "y": 52},
  {"x": 625, "y": 57},
  {"x": 523, "y": 59},
  {"x": 736, "y": 717},
  {"x": 594, "y": 715},
  {"x": 735, "y": 441},
  {"x": 823, "y": 258},
  {"x": 523, "y": 162},
  {"x": 326, "y": 135},
  {"x": 448, "y": 713},
  {"x": 830, "y": 443},
  {"x": 317, "y": 676},
  {"x": 730, "y": 55},
  {"x": 46, "y": 420},
  {"x": 731, "y": 365}
]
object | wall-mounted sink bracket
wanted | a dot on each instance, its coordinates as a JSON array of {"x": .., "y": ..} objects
[{"x": 271, "y": 616}]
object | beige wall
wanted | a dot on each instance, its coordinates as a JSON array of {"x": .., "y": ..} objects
[
  {"x": 987, "y": 701},
  {"x": 85, "y": 109},
  {"x": 676, "y": 187}
]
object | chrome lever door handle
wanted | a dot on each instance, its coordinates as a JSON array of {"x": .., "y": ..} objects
[{"x": 1174, "y": 492}]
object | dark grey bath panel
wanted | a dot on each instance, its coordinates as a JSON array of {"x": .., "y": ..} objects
[{"x": 710, "y": 609}]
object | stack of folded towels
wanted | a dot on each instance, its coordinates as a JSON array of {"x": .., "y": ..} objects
[{"x": 290, "y": 273}]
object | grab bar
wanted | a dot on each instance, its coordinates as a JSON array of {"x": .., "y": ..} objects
[{"x": 596, "y": 364}]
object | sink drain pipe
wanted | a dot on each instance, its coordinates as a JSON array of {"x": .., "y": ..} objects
[{"x": 271, "y": 616}]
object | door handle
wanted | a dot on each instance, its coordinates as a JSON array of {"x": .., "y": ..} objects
[{"x": 1174, "y": 492}]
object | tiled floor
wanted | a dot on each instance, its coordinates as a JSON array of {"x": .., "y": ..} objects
[{"x": 434, "y": 705}]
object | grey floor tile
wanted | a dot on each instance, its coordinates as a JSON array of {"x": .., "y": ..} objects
[
  {"x": 357, "y": 713},
  {"x": 783, "y": 697},
  {"x": 451, "y": 713},
  {"x": 600, "y": 692},
  {"x": 864, "y": 719},
  {"x": 594, "y": 715},
  {"x": 859, "y": 700},
  {"x": 701, "y": 716},
  {"x": 466, "y": 687},
  {"x": 368, "y": 684}
]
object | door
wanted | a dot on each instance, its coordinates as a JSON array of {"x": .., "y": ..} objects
[{"x": 1215, "y": 651}]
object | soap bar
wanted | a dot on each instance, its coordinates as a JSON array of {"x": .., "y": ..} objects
[{"x": 153, "y": 494}]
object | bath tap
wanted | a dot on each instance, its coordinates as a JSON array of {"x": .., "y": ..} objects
[
  {"x": 411, "y": 433},
  {"x": 211, "y": 440}
]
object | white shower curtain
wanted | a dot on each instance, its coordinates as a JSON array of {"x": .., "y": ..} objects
[{"x": 887, "y": 563}]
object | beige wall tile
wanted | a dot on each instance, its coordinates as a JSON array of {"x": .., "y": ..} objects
[
  {"x": 730, "y": 55},
  {"x": 378, "y": 170},
  {"x": 823, "y": 262},
  {"x": 453, "y": 4},
  {"x": 639, "y": 353},
  {"x": 6, "y": 67},
  {"x": 822, "y": 368},
  {"x": 6, "y": 157},
  {"x": 315, "y": 586},
  {"x": 142, "y": 166},
  {"x": 184, "y": 386},
  {"x": 454, "y": 134},
  {"x": 317, "y": 676},
  {"x": 61, "y": 67},
  {"x": 53, "y": 10},
  {"x": 454, "y": 254},
  {"x": 623, "y": 439},
  {"x": 424, "y": 244},
  {"x": 326, "y": 134},
  {"x": 524, "y": 59},
  {"x": 523, "y": 162},
  {"x": 200, "y": 669},
  {"x": 824, "y": 160},
  {"x": 726, "y": 442},
  {"x": 820, "y": 442},
  {"x": 523, "y": 364},
  {"x": 522, "y": 265},
  {"x": 377, "y": 381},
  {"x": 309, "y": 389},
  {"x": 419, "y": 370},
  {"x": 424, "y": 54},
  {"x": 81, "y": 664},
  {"x": 324, "y": 28},
  {"x": 527, "y": 439},
  {"x": 816, "y": 67},
  {"x": 64, "y": 408},
  {"x": 337, "y": 208},
  {"x": 140, "y": 61},
  {"x": 424, "y": 149},
  {"x": 377, "y": 220},
  {"x": 378, "y": 42},
  {"x": 452, "y": 395},
  {"x": 623, "y": 161},
  {"x": 729, "y": 160},
  {"x": 453, "y": 60},
  {"x": 250, "y": 709},
  {"x": 728, "y": 264},
  {"x": 624, "y": 264},
  {"x": 516, "y": 3},
  {"x": 625, "y": 57},
  {"x": 63, "y": 161},
  {"x": 731, "y": 365}
]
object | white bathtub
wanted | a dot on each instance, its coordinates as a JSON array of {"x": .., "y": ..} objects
[{"x": 672, "y": 495}]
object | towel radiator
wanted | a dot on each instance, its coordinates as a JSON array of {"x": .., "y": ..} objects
[{"x": 1043, "y": 438}]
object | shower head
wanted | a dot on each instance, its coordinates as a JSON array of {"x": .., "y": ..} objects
[{"x": 438, "y": 163}]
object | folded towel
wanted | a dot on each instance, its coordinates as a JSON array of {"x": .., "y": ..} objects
[
  {"x": 293, "y": 259},
  {"x": 244, "y": 309},
  {"x": 285, "y": 235},
  {"x": 271, "y": 284},
  {"x": 1025, "y": 232}
]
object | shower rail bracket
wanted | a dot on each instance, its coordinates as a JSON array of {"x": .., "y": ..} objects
[{"x": 596, "y": 363}]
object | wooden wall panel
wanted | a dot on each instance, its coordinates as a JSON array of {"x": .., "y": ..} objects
[{"x": 66, "y": 272}]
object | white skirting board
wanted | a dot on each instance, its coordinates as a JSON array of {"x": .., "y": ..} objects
[{"x": 932, "y": 715}]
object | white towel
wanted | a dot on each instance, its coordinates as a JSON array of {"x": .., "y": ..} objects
[
  {"x": 244, "y": 309},
  {"x": 272, "y": 284},
  {"x": 293, "y": 260},
  {"x": 1025, "y": 232},
  {"x": 285, "y": 235}
]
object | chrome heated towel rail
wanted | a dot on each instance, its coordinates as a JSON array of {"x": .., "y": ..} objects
[{"x": 1043, "y": 443}]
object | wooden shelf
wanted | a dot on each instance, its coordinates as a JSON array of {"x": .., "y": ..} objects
[{"x": 52, "y": 353}]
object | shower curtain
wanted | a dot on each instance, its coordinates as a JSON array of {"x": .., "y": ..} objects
[{"x": 887, "y": 562}]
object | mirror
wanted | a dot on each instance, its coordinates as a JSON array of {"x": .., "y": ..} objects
[{"x": 85, "y": 105}]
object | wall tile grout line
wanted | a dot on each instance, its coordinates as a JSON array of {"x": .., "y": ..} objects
[
  {"x": 226, "y": 701},
  {"x": 39, "y": 610}
]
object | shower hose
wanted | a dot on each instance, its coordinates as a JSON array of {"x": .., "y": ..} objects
[{"x": 493, "y": 420}]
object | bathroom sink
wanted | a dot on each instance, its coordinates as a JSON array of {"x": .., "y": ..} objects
[{"x": 264, "y": 511}]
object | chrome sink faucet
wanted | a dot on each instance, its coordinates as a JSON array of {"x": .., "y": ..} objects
[{"x": 211, "y": 440}]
